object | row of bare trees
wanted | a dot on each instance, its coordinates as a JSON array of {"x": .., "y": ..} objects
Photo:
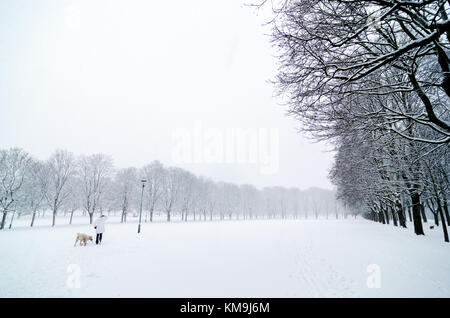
[
  {"x": 90, "y": 184},
  {"x": 373, "y": 78},
  {"x": 62, "y": 182}
]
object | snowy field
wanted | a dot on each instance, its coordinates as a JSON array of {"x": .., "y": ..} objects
[{"x": 258, "y": 258}]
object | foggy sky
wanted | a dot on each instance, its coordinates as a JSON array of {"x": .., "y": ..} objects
[{"x": 119, "y": 77}]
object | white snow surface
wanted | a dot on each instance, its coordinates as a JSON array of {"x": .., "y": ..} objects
[{"x": 252, "y": 258}]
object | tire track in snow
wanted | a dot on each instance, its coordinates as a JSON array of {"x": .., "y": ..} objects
[
  {"x": 321, "y": 276},
  {"x": 307, "y": 273}
]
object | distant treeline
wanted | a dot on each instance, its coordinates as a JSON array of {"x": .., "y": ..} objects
[{"x": 65, "y": 183}]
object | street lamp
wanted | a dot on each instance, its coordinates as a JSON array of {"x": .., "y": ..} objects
[{"x": 140, "y": 210}]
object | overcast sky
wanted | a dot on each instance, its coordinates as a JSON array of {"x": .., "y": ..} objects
[{"x": 123, "y": 77}]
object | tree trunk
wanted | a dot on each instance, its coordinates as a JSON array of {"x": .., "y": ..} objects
[
  {"x": 394, "y": 216},
  {"x": 54, "y": 217},
  {"x": 168, "y": 216},
  {"x": 33, "y": 217},
  {"x": 409, "y": 213},
  {"x": 436, "y": 218},
  {"x": 402, "y": 217},
  {"x": 91, "y": 215},
  {"x": 386, "y": 214},
  {"x": 444, "y": 226},
  {"x": 445, "y": 205},
  {"x": 12, "y": 218},
  {"x": 422, "y": 212},
  {"x": 71, "y": 216},
  {"x": 151, "y": 213},
  {"x": 418, "y": 228}
]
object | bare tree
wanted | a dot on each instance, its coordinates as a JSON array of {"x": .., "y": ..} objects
[
  {"x": 171, "y": 188},
  {"x": 154, "y": 173},
  {"x": 35, "y": 187},
  {"x": 60, "y": 168},
  {"x": 13, "y": 168},
  {"x": 249, "y": 200},
  {"x": 187, "y": 193},
  {"x": 94, "y": 171},
  {"x": 126, "y": 186},
  {"x": 75, "y": 201},
  {"x": 333, "y": 53}
]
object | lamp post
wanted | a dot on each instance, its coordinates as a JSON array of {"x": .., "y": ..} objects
[{"x": 140, "y": 210}]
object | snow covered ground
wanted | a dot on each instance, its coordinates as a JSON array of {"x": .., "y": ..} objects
[{"x": 258, "y": 258}]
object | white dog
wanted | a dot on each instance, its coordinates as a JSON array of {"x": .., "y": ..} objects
[{"x": 83, "y": 238}]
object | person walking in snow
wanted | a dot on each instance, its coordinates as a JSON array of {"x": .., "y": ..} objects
[{"x": 99, "y": 226}]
